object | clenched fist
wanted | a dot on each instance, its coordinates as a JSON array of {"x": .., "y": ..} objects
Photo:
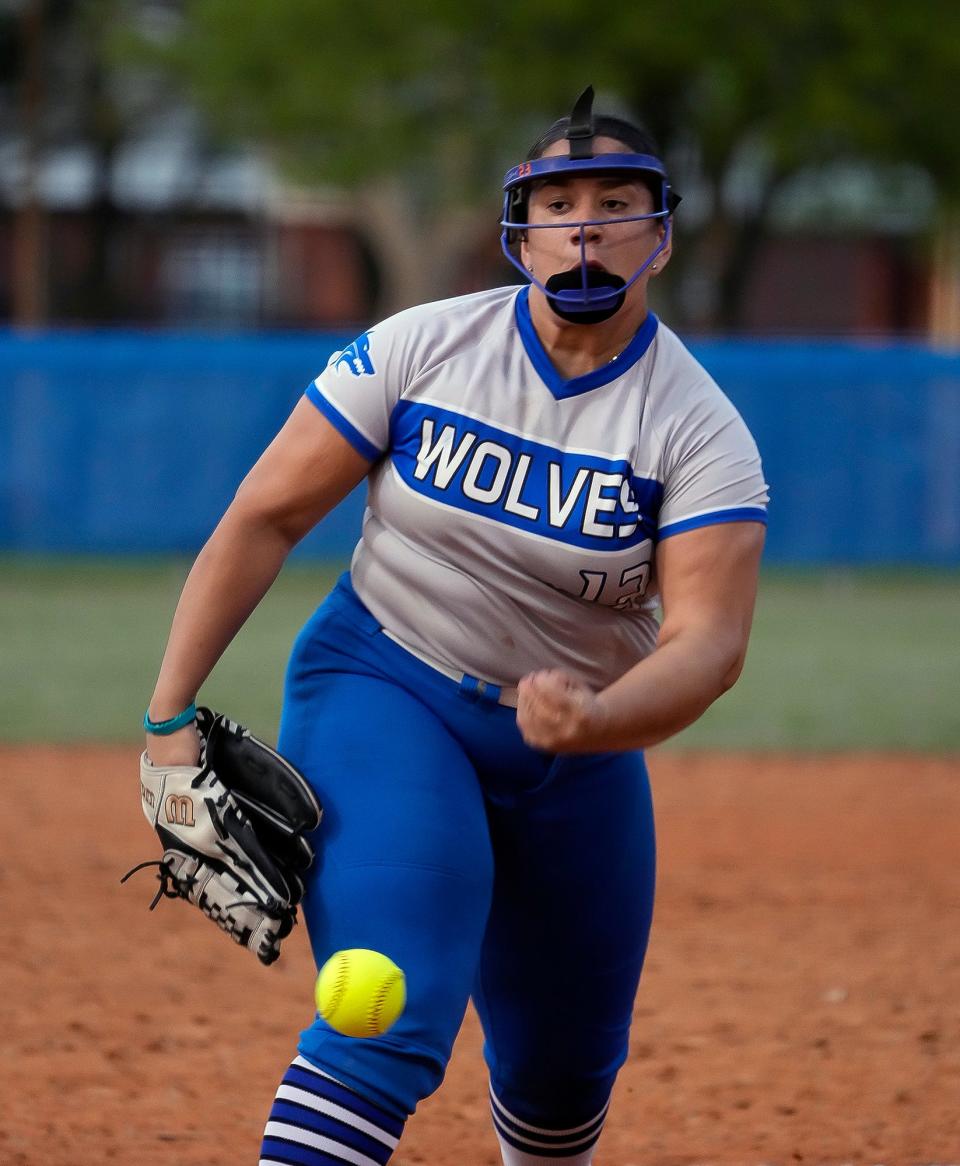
[{"x": 558, "y": 713}]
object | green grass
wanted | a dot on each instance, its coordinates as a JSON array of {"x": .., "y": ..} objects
[
  {"x": 82, "y": 641},
  {"x": 846, "y": 660},
  {"x": 843, "y": 660}
]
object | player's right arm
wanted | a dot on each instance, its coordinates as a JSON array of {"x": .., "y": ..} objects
[{"x": 306, "y": 470}]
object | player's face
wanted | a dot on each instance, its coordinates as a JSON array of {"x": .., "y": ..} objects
[{"x": 620, "y": 248}]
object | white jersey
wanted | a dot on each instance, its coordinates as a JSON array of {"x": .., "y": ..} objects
[{"x": 513, "y": 516}]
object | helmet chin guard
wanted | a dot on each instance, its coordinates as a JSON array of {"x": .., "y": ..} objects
[
  {"x": 599, "y": 300},
  {"x": 583, "y": 294}
]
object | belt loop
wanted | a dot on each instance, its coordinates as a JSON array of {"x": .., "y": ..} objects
[{"x": 481, "y": 691}]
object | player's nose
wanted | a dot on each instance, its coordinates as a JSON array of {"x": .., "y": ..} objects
[{"x": 591, "y": 232}]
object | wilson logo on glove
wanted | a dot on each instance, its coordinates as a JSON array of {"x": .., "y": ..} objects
[
  {"x": 234, "y": 835},
  {"x": 180, "y": 810}
]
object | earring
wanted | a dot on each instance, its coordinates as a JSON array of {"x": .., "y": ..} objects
[{"x": 653, "y": 267}]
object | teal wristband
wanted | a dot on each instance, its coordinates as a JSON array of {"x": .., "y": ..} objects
[{"x": 165, "y": 728}]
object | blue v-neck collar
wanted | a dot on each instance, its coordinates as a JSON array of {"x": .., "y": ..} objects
[{"x": 558, "y": 385}]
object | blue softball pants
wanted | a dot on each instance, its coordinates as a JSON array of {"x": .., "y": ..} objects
[{"x": 481, "y": 866}]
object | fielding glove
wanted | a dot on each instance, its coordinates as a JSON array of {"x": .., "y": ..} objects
[{"x": 233, "y": 831}]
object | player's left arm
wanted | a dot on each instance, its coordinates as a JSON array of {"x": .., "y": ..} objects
[{"x": 708, "y": 586}]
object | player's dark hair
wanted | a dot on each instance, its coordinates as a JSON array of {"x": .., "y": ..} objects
[{"x": 637, "y": 137}]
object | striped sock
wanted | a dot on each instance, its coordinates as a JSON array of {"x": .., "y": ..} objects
[
  {"x": 522, "y": 1144},
  {"x": 316, "y": 1121}
]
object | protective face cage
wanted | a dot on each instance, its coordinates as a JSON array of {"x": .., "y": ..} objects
[{"x": 585, "y": 295}]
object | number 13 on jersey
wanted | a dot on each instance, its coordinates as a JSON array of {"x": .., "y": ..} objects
[{"x": 626, "y": 595}]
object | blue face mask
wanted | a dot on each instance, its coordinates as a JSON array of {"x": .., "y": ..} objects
[{"x": 583, "y": 294}]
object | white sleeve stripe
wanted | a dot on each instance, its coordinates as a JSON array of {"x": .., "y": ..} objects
[
  {"x": 276, "y": 1129},
  {"x": 555, "y": 1149},
  {"x": 331, "y": 1109},
  {"x": 498, "y": 1105},
  {"x": 309, "y": 1067}
]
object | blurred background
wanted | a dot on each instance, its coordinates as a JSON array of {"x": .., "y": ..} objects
[{"x": 201, "y": 199}]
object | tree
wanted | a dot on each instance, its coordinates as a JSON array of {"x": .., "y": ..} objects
[
  {"x": 60, "y": 86},
  {"x": 21, "y": 70},
  {"x": 416, "y": 108}
]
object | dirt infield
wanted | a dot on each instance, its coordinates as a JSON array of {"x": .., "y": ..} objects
[{"x": 801, "y": 1002}]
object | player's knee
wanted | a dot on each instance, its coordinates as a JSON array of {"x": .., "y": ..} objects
[
  {"x": 539, "y": 1126},
  {"x": 536, "y": 1077},
  {"x": 396, "y": 1073},
  {"x": 555, "y": 1102}
]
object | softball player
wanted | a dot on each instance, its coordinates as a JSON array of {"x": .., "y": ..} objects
[{"x": 545, "y": 466}]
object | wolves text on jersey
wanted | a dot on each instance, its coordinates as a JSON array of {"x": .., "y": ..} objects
[{"x": 575, "y": 498}]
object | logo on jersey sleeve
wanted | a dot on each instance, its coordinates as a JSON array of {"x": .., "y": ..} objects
[
  {"x": 355, "y": 358},
  {"x": 579, "y": 499}
]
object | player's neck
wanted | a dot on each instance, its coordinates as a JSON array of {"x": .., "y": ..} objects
[{"x": 578, "y": 349}]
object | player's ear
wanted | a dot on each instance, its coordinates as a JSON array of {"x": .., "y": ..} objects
[{"x": 664, "y": 257}]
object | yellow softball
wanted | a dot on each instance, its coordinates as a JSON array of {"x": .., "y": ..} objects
[{"x": 360, "y": 992}]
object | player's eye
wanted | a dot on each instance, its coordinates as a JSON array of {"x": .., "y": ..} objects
[
  {"x": 614, "y": 204},
  {"x": 558, "y": 205}
]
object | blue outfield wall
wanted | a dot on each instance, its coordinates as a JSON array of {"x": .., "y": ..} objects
[{"x": 128, "y": 442}]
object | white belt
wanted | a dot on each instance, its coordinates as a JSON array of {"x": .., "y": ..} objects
[{"x": 471, "y": 686}]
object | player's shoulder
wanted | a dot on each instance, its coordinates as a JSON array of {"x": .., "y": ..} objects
[
  {"x": 420, "y": 338},
  {"x": 680, "y": 385},
  {"x": 395, "y": 351},
  {"x": 686, "y": 408},
  {"x": 457, "y": 314},
  {"x": 676, "y": 369}
]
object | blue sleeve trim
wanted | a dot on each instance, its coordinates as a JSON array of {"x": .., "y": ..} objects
[
  {"x": 740, "y": 514},
  {"x": 363, "y": 447}
]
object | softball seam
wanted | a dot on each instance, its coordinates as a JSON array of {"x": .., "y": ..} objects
[
  {"x": 375, "y": 1015},
  {"x": 338, "y": 991}
]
